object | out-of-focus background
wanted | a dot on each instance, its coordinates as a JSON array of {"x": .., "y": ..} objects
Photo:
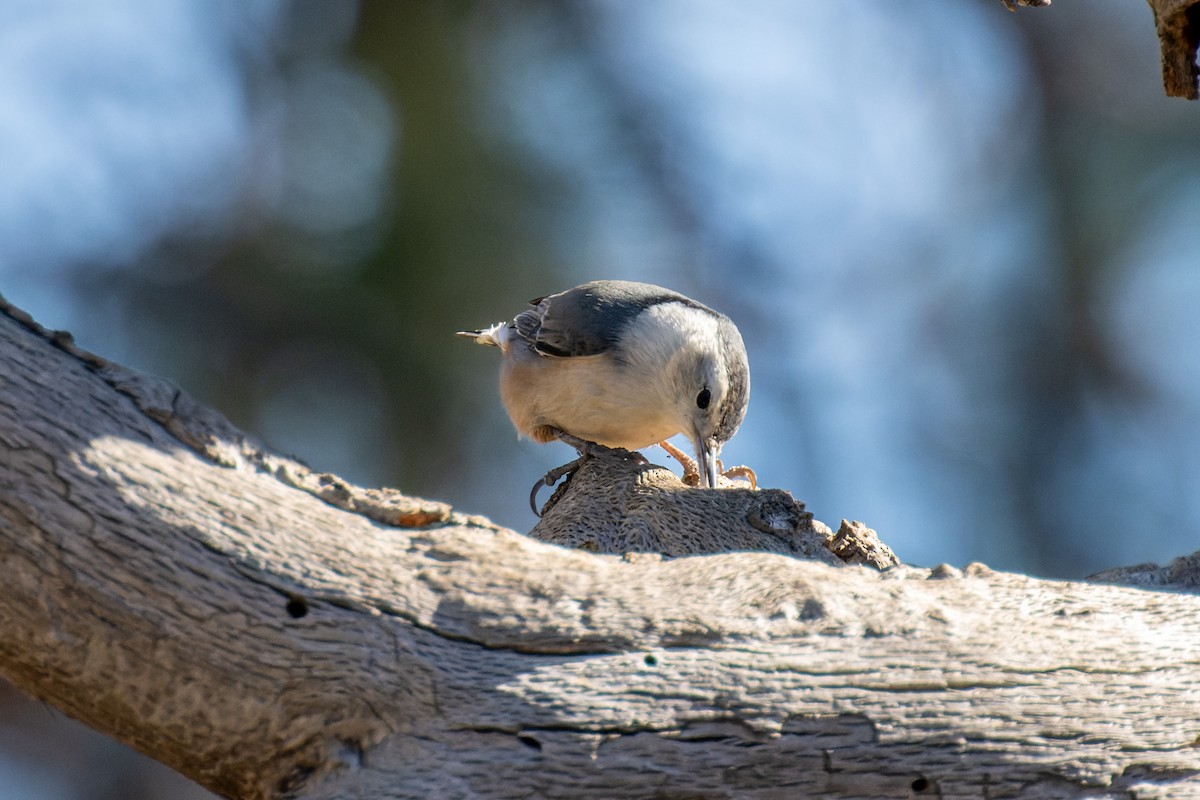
[{"x": 963, "y": 247}]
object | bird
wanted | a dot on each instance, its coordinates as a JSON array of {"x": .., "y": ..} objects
[{"x": 623, "y": 365}]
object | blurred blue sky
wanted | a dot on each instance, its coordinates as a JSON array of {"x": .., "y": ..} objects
[
  {"x": 867, "y": 193},
  {"x": 961, "y": 243},
  {"x": 118, "y": 124}
]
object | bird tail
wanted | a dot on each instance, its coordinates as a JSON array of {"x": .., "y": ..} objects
[{"x": 494, "y": 336}]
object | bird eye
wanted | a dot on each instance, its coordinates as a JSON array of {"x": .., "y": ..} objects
[{"x": 704, "y": 398}]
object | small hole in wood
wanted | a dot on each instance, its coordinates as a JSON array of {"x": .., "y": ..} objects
[
  {"x": 297, "y": 607},
  {"x": 651, "y": 660},
  {"x": 920, "y": 784},
  {"x": 529, "y": 741}
]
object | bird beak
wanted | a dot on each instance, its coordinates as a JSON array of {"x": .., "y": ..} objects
[{"x": 707, "y": 450}]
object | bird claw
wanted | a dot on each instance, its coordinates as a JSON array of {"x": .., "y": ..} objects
[
  {"x": 551, "y": 478},
  {"x": 586, "y": 450},
  {"x": 691, "y": 471},
  {"x": 739, "y": 471}
]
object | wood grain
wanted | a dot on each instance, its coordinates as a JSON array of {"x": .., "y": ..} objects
[{"x": 171, "y": 583}]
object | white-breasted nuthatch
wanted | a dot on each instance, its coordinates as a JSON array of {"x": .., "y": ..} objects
[{"x": 623, "y": 365}]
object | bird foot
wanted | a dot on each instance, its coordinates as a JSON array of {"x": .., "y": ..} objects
[
  {"x": 740, "y": 471},
  {"x": 551, "y": 478},
  {"x": 691, "y": 470},
  {"x": 586, "y": 450}
]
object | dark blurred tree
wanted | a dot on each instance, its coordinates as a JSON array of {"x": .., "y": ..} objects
[{"x": 456, "y": 239}]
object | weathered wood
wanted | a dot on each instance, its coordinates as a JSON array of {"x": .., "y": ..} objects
[
  {"x": 615, "y": 505},
  {"x": 1178, "y": 26},
  {"x": 1177, "y": 23},
  {"x": 170, "y": 583}
]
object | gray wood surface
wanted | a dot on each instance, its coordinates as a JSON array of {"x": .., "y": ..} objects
[{"x": 273, "y": 632}]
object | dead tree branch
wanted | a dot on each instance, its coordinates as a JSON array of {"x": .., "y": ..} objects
[{"x": 271, "y": 632}]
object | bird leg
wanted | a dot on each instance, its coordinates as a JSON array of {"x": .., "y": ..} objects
[
  {"x": 588, "y": 449},
  {"x": 582, "y": 446},
  {"x": 585, "y": 449},
  {"x": 691, "y": 471},
  {"x": 551, "y": 478}
]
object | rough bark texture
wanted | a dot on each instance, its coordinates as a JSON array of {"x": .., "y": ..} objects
[
  {"x": 272, "y": 632},
  {"x": 1178, "y": 25},
  {"x": 612, "y": 505}
]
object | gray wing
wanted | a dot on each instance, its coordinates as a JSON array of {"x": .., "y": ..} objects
[{"x": 588, "y": 320}]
